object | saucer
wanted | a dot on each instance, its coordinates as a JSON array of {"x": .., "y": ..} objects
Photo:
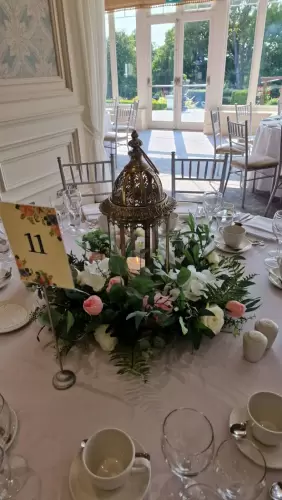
[
  {"x": 12, "y": 317},
  {"x": 244, "y": 247},
  {"x": 272, "y": 454},
  {"x": 14, "y": 429},
  {"x": 274, "y": 277},
  {"x": 81, "y": 487}
]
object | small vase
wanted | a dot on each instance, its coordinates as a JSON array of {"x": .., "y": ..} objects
[
  {"x": 268, "y": 328},
  {"x": 254, "y": 345}
]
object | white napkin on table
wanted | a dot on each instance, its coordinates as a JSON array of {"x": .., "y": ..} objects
[{"x": 260, "y": 227}]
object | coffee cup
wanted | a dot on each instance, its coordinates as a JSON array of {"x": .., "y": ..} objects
[
  {"x": 233, "y": 235},
  {"x": 265, "y": 412},
  {"x": 109, "y": 458}
]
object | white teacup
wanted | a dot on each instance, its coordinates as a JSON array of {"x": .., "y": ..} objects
[
  {"x": 233, "y": 235},
  {"x": 109, "y": 457},
  {"x": 265, "y": 412}
]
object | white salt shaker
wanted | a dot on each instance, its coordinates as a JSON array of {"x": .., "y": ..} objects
[
  {"x": 268, "y": 328},
  {"x": 254, "y": 345}
]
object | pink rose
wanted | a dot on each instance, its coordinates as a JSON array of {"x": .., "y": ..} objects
[
  {"x": 163, "y": 302},
  {"x": 117, "y": 280},
  {"x": 235, "y": 309},
  {"x": 93, "y": 305}
]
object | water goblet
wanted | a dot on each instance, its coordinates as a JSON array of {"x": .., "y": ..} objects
[
  {"x": 238, "y": 477},
  {"x": 200, "y": 491},
  {"x": 187, "y": 443},
  {"x": 61, "y": 209},
  {"x": 212, "y": 202},
  {"x": 72, "y": 198},
  {"x": 272, "y": 261},
  {"x": 225, "y": 215}
]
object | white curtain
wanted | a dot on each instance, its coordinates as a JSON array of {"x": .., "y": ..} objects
[{"x": 92, "y": 31}]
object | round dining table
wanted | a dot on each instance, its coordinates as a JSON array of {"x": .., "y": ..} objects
[{"x": 215, "y": 379}]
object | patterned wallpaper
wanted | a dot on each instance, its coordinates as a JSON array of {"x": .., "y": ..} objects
[{"x": 26, "y": 39}]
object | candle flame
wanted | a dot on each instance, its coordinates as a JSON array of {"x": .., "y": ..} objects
[{"x": 137, "y": 260}]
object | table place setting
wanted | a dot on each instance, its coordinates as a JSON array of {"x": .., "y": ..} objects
[{"x": 140, "y": 318}]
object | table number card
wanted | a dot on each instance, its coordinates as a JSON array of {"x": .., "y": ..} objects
[{"x": 36, "y": 241}]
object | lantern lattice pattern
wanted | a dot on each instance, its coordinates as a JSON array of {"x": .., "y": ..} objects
[{"x": 138, "y": 201}]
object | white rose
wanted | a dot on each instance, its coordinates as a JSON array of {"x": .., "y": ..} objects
[
  {"x": 106, "y": 342},
  {"x": 213, "y": 258},
  {"x": 216, "y": 322}
]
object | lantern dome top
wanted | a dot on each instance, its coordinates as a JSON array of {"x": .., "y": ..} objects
[{"x": 138, "y": 193}]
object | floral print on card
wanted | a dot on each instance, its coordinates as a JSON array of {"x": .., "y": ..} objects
[{"x": 26, "y": 39}]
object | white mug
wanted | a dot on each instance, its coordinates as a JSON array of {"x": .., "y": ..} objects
[
  {"x": 109, "y": 457},
  {"x": 265, "y": 412},
  {"x": 233, "y": 235}
]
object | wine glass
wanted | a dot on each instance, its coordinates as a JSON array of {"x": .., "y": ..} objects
[
  {"x": 13, "y": 475},
  {"x": 187, "y": 443},
  {"x": 272, "y": 261},
  {"x": 212, "y": 202},
  {"x": 238, "y": 477}
]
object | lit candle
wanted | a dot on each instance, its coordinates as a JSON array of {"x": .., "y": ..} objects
[{"x": 135, "y": 264}]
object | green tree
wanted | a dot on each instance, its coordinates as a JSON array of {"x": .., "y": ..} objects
[{"x": 126, "y": 58}]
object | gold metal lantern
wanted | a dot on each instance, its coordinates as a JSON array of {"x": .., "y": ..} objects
[{"x": 138, "y": 201}]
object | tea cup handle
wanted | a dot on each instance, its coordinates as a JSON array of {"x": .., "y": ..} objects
[{"x": 141, "y": 460}]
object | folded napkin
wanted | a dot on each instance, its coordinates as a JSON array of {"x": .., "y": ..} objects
[
  {"x": 260, "y": 227},
  {"x": 91, "y": 211}
]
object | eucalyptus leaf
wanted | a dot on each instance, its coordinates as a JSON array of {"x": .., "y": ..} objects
[
  {"x": 183, "y": 276},
  {"x": 118, "y": 265},
  {"x": 183, "y": 326},
  {"x": 70, "y": 320},
  {"x": 143, "y": 284}
]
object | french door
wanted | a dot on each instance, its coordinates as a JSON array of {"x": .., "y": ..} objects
[{"x": 179, "y": 82}]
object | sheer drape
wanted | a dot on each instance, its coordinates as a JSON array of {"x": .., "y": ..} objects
[{"x": 92, "y": 31}]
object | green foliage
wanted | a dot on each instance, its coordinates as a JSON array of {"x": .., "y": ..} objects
[
  {"x": 159, "y": 104},
  {"x": 118, "y": 265},
  {"x": 96, "y": 241},
  {"x": 239, "y": 96}
]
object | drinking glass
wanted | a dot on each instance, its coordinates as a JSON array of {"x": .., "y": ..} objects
[
  {"x": 201, "y": 215},
  {"x": 272, "y": 261},
  {"x": 13, "y": 475},
  {"x": 5, "y": 422},
  {"x": 212, "y": 203},
  {"x": 237, "y": 477},
  {"x": 187, "y": 443},
  {"x": 225, "y": 215}
]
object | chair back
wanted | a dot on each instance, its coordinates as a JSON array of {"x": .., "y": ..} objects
[
  {"x": 279, "y": 107},
  {"x": 216, "y": 127},
  {"x": 111, "y": 107},
  {"x": 89, "y": 174},
  {"x": 133, "y": 117},
  {"x": 244, "y": 112},
  {"x": 204, "y": 170},
  {"x": 123, "y": 115},
  {"x": 238, "y": 134}
]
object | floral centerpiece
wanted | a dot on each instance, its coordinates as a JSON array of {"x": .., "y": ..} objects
[{"x": 135, "y": 314}]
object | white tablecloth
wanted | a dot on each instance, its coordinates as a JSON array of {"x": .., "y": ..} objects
[
  {"x": 267, "y": 143},
  {"x": 53, "y": 423}
]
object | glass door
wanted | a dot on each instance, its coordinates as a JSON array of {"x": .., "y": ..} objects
[
  {"x": 161, "y": 85},
  {"x": 194, "y": 75}
]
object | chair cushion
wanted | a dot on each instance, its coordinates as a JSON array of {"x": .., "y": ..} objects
[
  {"x": 113, "y": 136},
  {"x": 255, "y": 161},
  {"x": 225, "y": 149}
]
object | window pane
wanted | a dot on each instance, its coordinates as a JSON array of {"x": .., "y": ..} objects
[
  {"x": 125, "y": 26},
  {"x": 242, "y": 24},
  {"x": 198, "y": 6},
  {"x": 270, "y": 75},
  {"x": 109, "y": 74},
  {"x": 163, "y": 9}
]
